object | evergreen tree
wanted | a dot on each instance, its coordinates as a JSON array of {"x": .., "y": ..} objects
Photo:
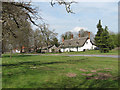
[
  {"x": 104, "y": 41},
  {"x": 98, "y": 35},
  {"x": 111, "y": 42}
]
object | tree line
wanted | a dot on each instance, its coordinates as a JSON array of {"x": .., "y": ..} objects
[
  {"x": 16, "y": 24},
  {"x": 29, "y": 38},
  {"x": 17, "y": 31}
]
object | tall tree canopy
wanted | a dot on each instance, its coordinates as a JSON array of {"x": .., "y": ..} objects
[
  {"x": 14, "y": 14},
  {"x": 103, "y": 39},
  {"x": 20, "y": 11},
  {"x": 98, "y": 35},
  {"x": 44, "y": 37}
]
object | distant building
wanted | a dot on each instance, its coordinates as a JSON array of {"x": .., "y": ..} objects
[
  {"x": 50, "y": 49},
  {"x": 16, "y": 51},
  {"x": 54, "y": 49},
  {"x": 77, "y": 44}
]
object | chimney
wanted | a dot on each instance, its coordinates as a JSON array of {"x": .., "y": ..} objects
[
  {"x": 71, "y": 36},
  {"x": 79, "y": 35},
  {"x": 88, "y": 35},
  {"x": 63, "y": 39}
]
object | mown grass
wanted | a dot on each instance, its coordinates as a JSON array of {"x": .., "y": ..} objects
[
  {"x": 93, "y": 52},
  {"x": 111, "y": 52},
  {"x": 25, "y": 71}
]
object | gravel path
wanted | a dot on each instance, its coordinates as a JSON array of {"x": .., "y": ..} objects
[{"x": 112, "y": 56}]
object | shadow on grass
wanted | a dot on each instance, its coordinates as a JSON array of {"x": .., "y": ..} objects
[
  {"x": 42, "y": 63},
  {"x": 31, "y": 63},
  {"x": 14, "y": 56}
]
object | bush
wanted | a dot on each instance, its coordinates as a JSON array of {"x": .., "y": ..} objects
[
  {"x": 53, "y": 50},
  {"x": 38, "y": 51}
]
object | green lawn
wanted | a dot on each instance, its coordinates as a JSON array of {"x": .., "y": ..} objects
[
  {"x": 97, "y": 52},
  {"x": 59, "y": 72}
]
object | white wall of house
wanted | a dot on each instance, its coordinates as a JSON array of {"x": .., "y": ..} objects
[
  {"x": 66, "y": 50},
  {"x": 15, "y": 51},
  {"x": 73, "y": 49},
  {"x": 61, "y": 49},
  {"x": 88, "y": 45},
  {"x": 55, "y": 48},
  {"x": 93, "y": 46},
  {"x": 50, "y": 49}
]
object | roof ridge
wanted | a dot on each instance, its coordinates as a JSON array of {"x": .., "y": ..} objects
[{"x": 76, "y": 38}]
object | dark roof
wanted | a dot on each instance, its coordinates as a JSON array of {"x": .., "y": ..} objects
[
  {"x": 74, "y": 42},
  {"x": 45, "y": 47}
]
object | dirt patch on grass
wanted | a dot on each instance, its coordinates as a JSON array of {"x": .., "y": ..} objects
[
  {"x": 95, "y": 74},
  {"x": 101, "y": 76},
  {"x": 71, "y": 75},
  {"x": 90, "y": 74},
  {"x": 105, "y": 69},
  {"x": 43, "y": 68},
  {"x": 97, "y": 70},
  {"x": 93, "y": 70},
  {"x": 83, "y": 70},
  {"x": 108, "y": 68}
]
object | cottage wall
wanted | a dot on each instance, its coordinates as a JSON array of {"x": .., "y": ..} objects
[
  {"x": 73, "y": 49},
  {"x": 88, "y": 45},
  {"x": 56, "y": 49}
]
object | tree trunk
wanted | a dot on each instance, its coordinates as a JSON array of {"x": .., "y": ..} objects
[
  {"x": 3, "y": 47},
  {"x": 11, "y": 53},
  {"x": 21, "y": 49}
]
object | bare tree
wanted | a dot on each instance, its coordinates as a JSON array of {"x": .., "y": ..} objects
[
  {"x": 48, "y": 35},
  {"x": 82, "y": 32},
  {"x": 18, "y": 12},
  {"x": 67, "y": 4},
  {"x": 38, "y": 40}
]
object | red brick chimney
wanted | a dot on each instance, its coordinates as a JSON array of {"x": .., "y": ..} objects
[
  {"x": 88, "y": 35},
  {"x": 63, "y": 39},
  {"x": 71, "y": 36},
  {"x": 79, "y": 35}
]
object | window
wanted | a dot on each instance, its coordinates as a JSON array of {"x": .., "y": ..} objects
[
  {"x": 86, "y": 42},
  {"x": 77, "y": 43}
]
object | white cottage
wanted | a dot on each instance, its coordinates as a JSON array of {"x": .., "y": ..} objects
[
  {"x": 79, "y": 44},
  {"x": 53, "y": 49}
]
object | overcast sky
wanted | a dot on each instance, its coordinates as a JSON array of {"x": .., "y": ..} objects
[{"x": 87, "y": 15}]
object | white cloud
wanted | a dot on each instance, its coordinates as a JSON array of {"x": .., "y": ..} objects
[{"x": 77, "y": 29}]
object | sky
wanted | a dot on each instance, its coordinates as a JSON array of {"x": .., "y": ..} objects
[{"x": 87, "y": 15}]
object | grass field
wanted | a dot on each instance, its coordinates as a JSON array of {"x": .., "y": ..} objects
[
  {"x": 95, "y": 52},
  {"x": 59, "y": 72}
]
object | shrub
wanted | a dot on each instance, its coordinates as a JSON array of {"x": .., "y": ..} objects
[{"x": 38, "y": 51}]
